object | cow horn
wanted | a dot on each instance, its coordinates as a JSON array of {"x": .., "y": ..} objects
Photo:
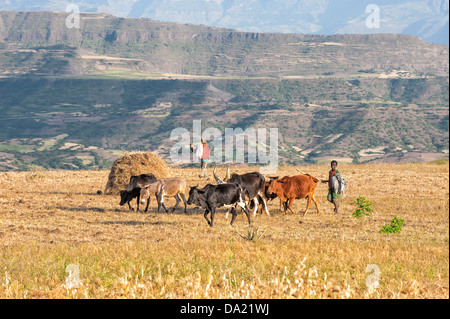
[
  {"x": 228, "y": 175},
  {"x": 215, "y": 176}
]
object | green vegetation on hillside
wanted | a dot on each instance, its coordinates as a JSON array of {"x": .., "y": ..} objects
[
  {"x": 319, "y": 116},
  {"x": 120, "y": 84}
]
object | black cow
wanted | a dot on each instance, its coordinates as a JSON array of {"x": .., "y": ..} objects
[
  {"x": 253, "y": 182},
  {"x": 127, "y": 196},
  {"x": 212, "y": 197},
  {"x": 140, "y": 181}
]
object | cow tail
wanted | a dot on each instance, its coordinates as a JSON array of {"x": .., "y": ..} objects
[
  {"x": 246, "y": 193},
  {"x": 252, "y": 204}
]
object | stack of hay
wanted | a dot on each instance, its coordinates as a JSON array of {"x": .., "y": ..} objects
[{"x": 134, "y": 163}]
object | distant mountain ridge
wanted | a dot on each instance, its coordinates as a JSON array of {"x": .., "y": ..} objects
[
  {"x": 77, "y": 98},
  {"x": 427, "y": 19},
  {"x": 104, "y": 42}
]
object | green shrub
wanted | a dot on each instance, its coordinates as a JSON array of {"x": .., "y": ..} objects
[
  {"x": 362, "y": 207},
  {"x": 394, "y": 228}
]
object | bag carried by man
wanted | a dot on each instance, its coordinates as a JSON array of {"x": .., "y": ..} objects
[{"x": 339, "y": 184}]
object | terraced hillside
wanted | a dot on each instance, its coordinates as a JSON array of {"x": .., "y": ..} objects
[
  {"x": 80, "y": 123},
  {"x": 76, "y": 98}
]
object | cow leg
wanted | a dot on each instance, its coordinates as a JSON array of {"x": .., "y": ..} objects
[
  {"x": 316, "y": 203},
  {"x": 285, "y": 206},
  {"x": 228, "y": 211},
  {"x": 213, "y": 211},
  {"x": 291, "y": 201},
  {"x": 138, "y": 200},
  {"x": 246, "y": 211},
  {"x": 177, "y": 198},
  {"x": 265, "y": 206},
  {"x": 129, "y": 206},
  {"x": 248, "y": 214},
  {"x": 164, "y": 206},
  {"x": 206, "y": 216},
  {"x": 146, "y": 207},
  {"x": 158, "y": 200},
  {"x": 233, "y": 214},
  {"x": 256, "y": 206},
  {"x": 161, "y": 203},
  {"x": 184, "y": 201},
  {"x": 308, "y": 205}
]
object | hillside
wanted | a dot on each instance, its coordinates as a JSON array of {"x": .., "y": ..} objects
[
  {"x": 427, "y": 19},
  {"x": 39, "y": 43},
  {"x": 78, "y": 98},
  {"x": 81, "y": 123}
]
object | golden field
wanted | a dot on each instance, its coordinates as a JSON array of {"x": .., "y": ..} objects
[{"x": 53, "y": 221}]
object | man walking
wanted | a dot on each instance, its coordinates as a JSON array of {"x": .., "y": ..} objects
[{"x": 333, "y": 186}]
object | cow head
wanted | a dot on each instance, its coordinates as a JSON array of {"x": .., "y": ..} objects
[
  {"x": 220, "y": 181},
  {"x": 195, "y": 195},
  {"x": 124, "y": 197},
  {"x": 275, "y": 185},
  {"x": 268, "y": 194}
]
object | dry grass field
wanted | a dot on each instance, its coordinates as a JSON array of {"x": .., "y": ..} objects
[{"x": 53, "y": 222}]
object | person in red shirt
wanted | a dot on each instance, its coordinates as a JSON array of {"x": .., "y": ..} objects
[
  {"x": 204, "y": 159},
  {"x": 204, "y": 156}
]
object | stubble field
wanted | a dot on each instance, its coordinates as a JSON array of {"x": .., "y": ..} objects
[{"x": 59, "y": 239}]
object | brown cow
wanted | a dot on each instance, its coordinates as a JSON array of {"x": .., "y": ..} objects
[
  {"x": 166, "y": 187},
  {"x": 296, "y": 187}
]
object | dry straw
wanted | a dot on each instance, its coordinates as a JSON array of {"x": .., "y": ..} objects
[{"x": 134, "y": 163}]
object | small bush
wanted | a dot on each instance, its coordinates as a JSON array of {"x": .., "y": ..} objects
[
  {"x": 362, "y": 207},
  {"x": 253, "y": 234},
  {"x": 394, "y": 228}
]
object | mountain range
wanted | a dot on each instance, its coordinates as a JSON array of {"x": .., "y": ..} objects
[
  {"x": 77, "y": 98},
  {"x": 427, "y": 19}
]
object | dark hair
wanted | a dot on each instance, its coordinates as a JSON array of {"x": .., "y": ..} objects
[{"x": 334, "y": 161}]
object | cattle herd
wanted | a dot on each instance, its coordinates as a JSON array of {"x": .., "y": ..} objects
[{"x": 247, "y": 190}]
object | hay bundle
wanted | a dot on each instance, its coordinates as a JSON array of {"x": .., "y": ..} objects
[{"x": 134, "y": 163}]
